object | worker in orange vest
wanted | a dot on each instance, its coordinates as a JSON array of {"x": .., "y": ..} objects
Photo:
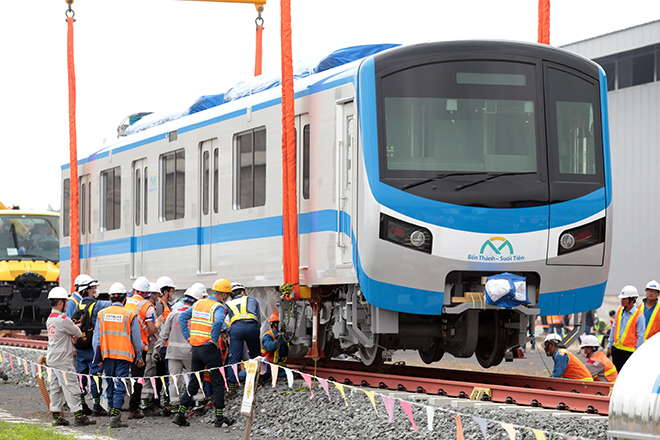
[
  {"x": 554, "y": 324},
  {"x": 567, "y": 365},
  {"x": 207, "y": 323},
  {"x": 627, "y": 334},
  {"x": 117, "y": 344},
  {"x": 601, "y": 368},
  {"x": 650, "y": 307}
]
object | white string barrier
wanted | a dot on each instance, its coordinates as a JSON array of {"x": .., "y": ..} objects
[{"x": 388, "y": 402}]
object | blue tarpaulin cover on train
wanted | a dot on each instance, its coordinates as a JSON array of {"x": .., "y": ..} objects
[
  {"x": 263, "y": 82},
  {"x": 506, "y": 290}
]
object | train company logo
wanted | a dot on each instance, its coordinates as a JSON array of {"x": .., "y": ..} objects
[{"x": 496, "y": 249}]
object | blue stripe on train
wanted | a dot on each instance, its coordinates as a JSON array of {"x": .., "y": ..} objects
[{"x": 317, "y": 221}]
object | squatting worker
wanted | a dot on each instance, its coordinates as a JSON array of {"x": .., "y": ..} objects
[
  {"x": 627, "y": 333},
  {"x": 650, "y": 307},
  {"x": 62, "y": 333},
  {"x": 601, "y": 368},
  {"x": 145, "y": 310},
  {"x": 207, "y": 322},
  {"x": 567, "y": 365},
  {"x": 273, "y": 347},
  {"x": 179, "y": 352},
  {"x": 244, "y": 327},
  {"x": 118, "y": 343}
]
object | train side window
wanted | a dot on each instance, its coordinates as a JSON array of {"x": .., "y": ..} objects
[
  {"x": 66, "y": 194},
  {"x": 305, "y": 153},
  {"x": 138, "y": 194},
  {"x": 173, "y": 173},
  {"x": 111, "y": 199},
  {"x": 216, "y": 175},
  {"x": 205, "y": 182},
  {"x": 250, "y": 166},
  {"x": 146, "y": 191},
  {"x": 83, "y": 208}
]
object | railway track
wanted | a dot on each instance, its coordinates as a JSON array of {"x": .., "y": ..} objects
[
  {"x": 542, "y": 392},
  {"x": 25, "y": 341}
]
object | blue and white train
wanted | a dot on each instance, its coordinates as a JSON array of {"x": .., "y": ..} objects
[{"x": 421, "y": 170}]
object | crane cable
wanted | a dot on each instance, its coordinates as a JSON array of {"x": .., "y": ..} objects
[
  {"x": 73, "y": 153},
  {"x": 257, "y": 53}
]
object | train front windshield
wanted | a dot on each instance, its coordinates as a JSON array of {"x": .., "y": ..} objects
[
  {"x": 29, "y": 237},
  {"x": 456, "y": 123}
]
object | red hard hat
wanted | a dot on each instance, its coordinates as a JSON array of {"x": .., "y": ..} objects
[{"x": 275, "y": 317}]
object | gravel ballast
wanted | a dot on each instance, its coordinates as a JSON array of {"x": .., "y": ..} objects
[{"x": 290, "y": 413}]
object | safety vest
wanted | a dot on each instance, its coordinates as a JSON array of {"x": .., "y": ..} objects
[
  {"x": 270, "y": 355},
  {"x": 76, "y": 298},
  {"x": 610, "y": 370},
  {"x": 166, "y": 308},
  {"x": 201, "y": 323},
  {"x": 653, "y": 326},
  {"x": 575, "y": 368},
  {"x": 239, "y": 308},
  {"x": 554, "y": 319},
  {"x": 627, "y": 341},
  {"x": 115, "y": 328},
  {"x": 140, "y": 306}
]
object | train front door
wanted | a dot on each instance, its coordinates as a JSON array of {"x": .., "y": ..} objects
[
  {"x": 208, "y": 204},
  {"x": 302, "y": 154},
  {"x": 139, "y": 218},
  {"x": 345, "y": 136}
]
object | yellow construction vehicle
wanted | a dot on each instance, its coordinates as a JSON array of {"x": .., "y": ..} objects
[{"x": 29, "y": 267}]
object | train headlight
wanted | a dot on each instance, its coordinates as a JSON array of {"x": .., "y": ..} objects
[
  {"x": 582, "y": 237},
  {"x": 405, "y": 234},
  {"x": 417, "y": 238},
  {"x": 567, "y": 241}
]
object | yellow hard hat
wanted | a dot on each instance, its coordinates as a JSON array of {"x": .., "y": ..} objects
[{"x": 222, "y": 285}]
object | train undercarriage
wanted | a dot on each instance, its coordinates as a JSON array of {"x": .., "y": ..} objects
[{"x": 348, "y": 324}]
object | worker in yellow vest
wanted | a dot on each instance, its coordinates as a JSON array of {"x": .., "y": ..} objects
[
  {"x": 207, "y": 323},
  {"x": 627, "y": 333},
  {"x": 567, "y": 365},
  {"x": 601, "y": 368},
  {"x": 650, "y": 307}
]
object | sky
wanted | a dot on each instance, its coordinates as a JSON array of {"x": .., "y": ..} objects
[{"x": 160, "y": 55}]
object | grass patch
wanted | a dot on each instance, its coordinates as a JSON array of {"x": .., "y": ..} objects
[{"x": 30, "y": 431}]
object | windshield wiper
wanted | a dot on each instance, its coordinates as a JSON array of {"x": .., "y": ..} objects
[
  {"x": 490, "y": 177},
  {"x": 439, "y": 177}
]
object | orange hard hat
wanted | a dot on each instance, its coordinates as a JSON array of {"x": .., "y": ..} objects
[{"x": 275, "y": 317}]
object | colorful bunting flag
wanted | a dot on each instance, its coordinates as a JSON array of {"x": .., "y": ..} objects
[
  {"x": 222, "y": 371},
  {"x": 289, "y": 377},
  {"x": 324, "y": 385},
  {"x": 201, "y": 385},
  {"x": 153, "y": 385},
  {"x": 66, "y": 382},
  {"x": 25, "y": 366},
  {"x": 50, "y": 374},
  {"x": 234, "y": 368},
  {"x": 370, "y": 395},
  {"x": 459, "y": 428},
  {"x": 162, "y": 379},
  {"x": 273, "y": 374},
  {"x": 509, "y": 430},
  {"x": 538, "y": 434},
  {"x": 11, "y": 361},
  {"x": 308, "y": 381},
  {"x": 430, "y": 414},
  {"x": 389, "y": 406},
  {"x": 340, "y": 387},
  {"x": 482, "y": 424},
  {"x": 408, "y": 410}
]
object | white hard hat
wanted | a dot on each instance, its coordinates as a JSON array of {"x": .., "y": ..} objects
[
  {"x": 141, "y": 284},
  {"x": 202, "y": 288},
  {"x": 165, "y": 282},
  {"x": 153, "y": 288},
  {"x": 117, "y": 288},
  {"x": 589, "y": 341},
  {"x": 552, "y": 337},
  {"x": 194, "y": 293},
  {"x": 58, "y": 293},
  {"x": 629, "y": 292},
  {"x": 83, "y": 281},
  {"x": 653, "y": 285}
]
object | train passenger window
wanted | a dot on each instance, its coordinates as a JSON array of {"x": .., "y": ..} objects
[
  {"x": 215, "y": 180},
  {"x": 83, "y": 208},
  {"x": 205, "y": 182},
  {"x": 250, "y": 165},
  {"x": 146, "y": 191},
  {"x": 111, "y": 199},
  {"x": 305, "y": 151},
  {"x": 66, "y": 195},
  {"x": 172, "y": 171}
]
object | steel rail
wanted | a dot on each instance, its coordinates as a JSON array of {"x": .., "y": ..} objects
[
  {"x": 24, "y": 342},
  {"x": 529, "y": 394}
]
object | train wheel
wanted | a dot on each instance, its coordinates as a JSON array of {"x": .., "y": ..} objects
[
  {"x": 492, "y": 340},
  {"x": 431, "y": 354},
  {"x": 372, "y": 356}
]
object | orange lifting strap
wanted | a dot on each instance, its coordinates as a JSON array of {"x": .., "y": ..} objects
[
  {"x": 73, "y": 152},
  {"x": 544, "y": 21},
  {"x": 257, "y": 53},
  {"x": 289, "y": 197}
]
